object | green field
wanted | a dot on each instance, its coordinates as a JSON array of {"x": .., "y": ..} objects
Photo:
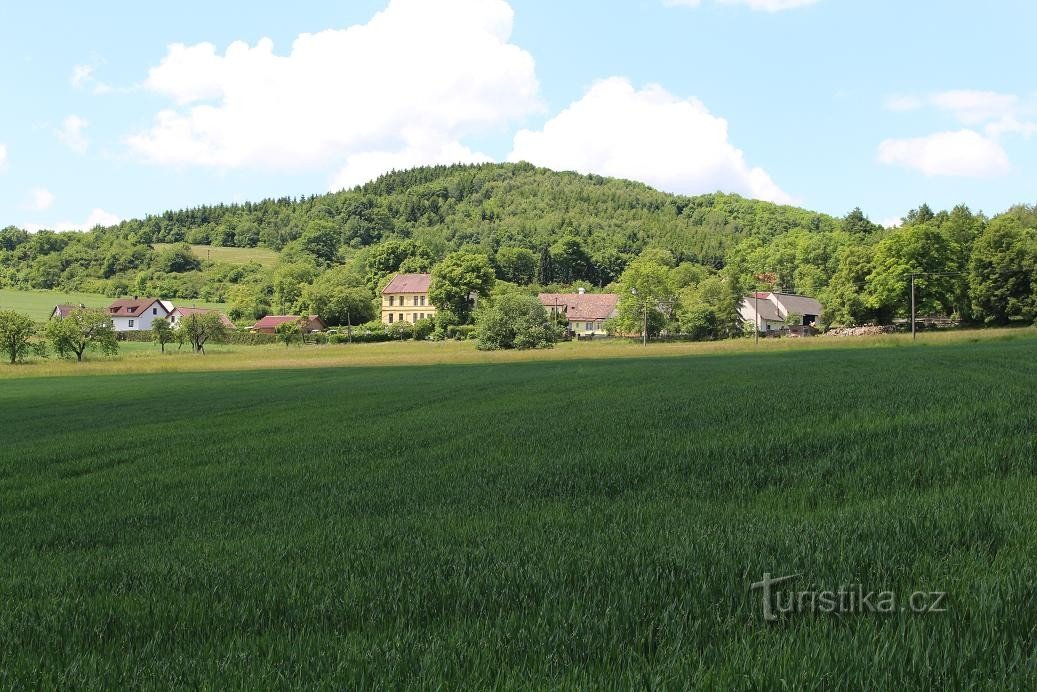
[
  {"x": 40, "y": 304},
  {"x": 231, "y": 255},
  {"x": 571, "y": 523}
]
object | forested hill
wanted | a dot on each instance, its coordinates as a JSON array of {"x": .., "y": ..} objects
[
  {"x": 448, "y": 207},
  {"x": 537, "y": 227}
]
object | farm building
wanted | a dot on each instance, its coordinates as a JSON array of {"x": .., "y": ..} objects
[
  {"x": 775, "y": 308},
  {"x": 62, "y": 310},
  {"x": 269, "y": 324},
  {"x": 586, "y": 312},
  {"x": 406, "y": 299},
  {"x": 136, "y": 314}
]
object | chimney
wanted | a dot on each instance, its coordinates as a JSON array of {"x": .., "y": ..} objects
[{"x": 581, "y": 290}]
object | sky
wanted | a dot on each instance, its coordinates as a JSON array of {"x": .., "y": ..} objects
[{"x": 115, "y": 109}]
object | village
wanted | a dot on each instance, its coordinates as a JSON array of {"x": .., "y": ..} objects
[{"x": 406, "y": 301}]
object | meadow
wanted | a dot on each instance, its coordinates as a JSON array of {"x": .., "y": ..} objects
[
  {"x": 552, "y": 523},
  {"x": 40, "y": 304},
  {"x": 230, "y": 255}
]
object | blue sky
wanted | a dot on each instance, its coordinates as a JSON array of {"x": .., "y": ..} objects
[{"x": 828, "y": 104}]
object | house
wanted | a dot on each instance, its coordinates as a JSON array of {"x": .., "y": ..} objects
[
  {"x": 62, "y": 311},
  {"x": 406, "y": 299},
  {"x": 775, "y": 308},
  {"x": 136, "y": 314},
  {"x": 586, "y": 312},
  {"x": 269, "y": 324},
  {"x": 178, "y": 314}
]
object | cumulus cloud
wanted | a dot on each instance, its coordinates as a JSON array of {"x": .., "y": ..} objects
[
  {"x": 649, "y": 135},
  {"x": 354, "y": 98},
  {"x": 997, "y": 112},
  {"x": 97, "y": 217},
  {"x": 964, "y": 153},
  {"x": 71, "y": 133},
  {"x": 759, "y": 5},
  {"x": 3, "y": 158},
  {"x": 40, "y": 199}
]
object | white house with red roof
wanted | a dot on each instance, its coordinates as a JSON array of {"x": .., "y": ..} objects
[
  {"x": 586, "y": 312},
  {"x": 406, "y": 299},
  {"x": 136, "y": 314}
]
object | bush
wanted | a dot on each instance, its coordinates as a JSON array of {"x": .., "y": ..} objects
[
  {"x": 423, "y": 329},
  {"x": 514, "y": 320}
]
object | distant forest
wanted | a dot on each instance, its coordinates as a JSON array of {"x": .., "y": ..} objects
[{"x": 543, "y": 229}]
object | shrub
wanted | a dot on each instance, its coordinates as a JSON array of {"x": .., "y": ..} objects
[{"x": 513, "y": 320}]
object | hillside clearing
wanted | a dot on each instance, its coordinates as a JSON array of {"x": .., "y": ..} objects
[{"x": 230, "y": 255}]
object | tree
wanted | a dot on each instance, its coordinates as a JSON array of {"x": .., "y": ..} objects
[
  {"x": 1002, "y": 273},
  {"x": 200, "y": 329},
  {"x": 516, "y": 264},
  {"x": 338, "y": 302},
  {"x": 177, "y": 259},
  {"x": 456, "y": 278},
  {"x": 81, "y": 330},
  {"x": 644, "y": 286},
  {"x": 513, "y": 320},
  {"x": 570, "y": 261},
  {"x": 321, "y": 240},
  {"x": 917, "y": 249},
  {"x": 161, "y": 332},
  {"x": 545, "y": 267},
  {"x": 288, "y": 282},
  {"x": 16, "y": 332},
  {"x": 287, "y": 331}
]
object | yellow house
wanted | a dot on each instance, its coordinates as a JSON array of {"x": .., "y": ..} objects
[{"x": 405, "y": 299}]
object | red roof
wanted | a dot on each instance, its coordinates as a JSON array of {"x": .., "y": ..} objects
[
  {"x": 582, "y": 306},
  {"x": 184, "y": 312},
  {"x": 409, "y": 283},
  {"x": 132, "y": 307},
  {"x": 64, "y": 310},
  {"x": 272, "y": 321},
  {"x": 762, "y": 295}
]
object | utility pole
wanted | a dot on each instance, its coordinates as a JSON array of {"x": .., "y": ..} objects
[
  {"x": 912, "y": 307},
  {"x": 644, "y": 331}
]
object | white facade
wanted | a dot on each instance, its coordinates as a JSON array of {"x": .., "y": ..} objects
[{"x": 142, "y": 319}]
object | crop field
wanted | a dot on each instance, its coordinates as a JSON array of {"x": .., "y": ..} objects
[
  {"x": 572, "y": 523},
  {"x": 231, "y": 255}
]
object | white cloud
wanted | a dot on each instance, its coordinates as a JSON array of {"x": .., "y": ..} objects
[
  {"x": 81, "y": 75},
  {"x": 964, "y": 153},
  {"x": 71, "y": 133},
  {"x": 759, "y": 5},
  {"x": 40, "y": 199},
  {"x": 3, "y": 158},
  {"x": 405, "y": 88},
  {"x": 648, "y": 135},
  {"x": 892, "y": 222},
  {"x": 999, "y": 113},
  {"x": 97, "y": 217}
]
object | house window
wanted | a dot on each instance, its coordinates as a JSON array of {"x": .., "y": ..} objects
[
  {"x": 390, "y": 318},
  {"x": 392, "y": 299},
  {"x": 422, "y": 301},
  {"x": 401, "y": 317},
  {"x": 131, "y": 324},
  {"x": 154, "y": 311}
]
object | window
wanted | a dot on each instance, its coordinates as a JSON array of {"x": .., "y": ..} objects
[
  {"x": 392, "y": 300},
  {"x": 131, "y": 323},
  {"x": 390, "y": 318},
  {"x": 422, "y": 301},
  {"x": 154, "y": 311},
  {"x": 401, "y": 317}
]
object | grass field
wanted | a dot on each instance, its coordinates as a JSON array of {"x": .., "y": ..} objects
[
  {"x": 232, "y": 255},
  {"x": 40, "y": 304},
  {"x": 563, "y": 523}
]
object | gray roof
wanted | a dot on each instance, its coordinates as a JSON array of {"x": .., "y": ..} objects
[
  {"x": 801, "y": 305},
  {"x": 768, "y": 310}
]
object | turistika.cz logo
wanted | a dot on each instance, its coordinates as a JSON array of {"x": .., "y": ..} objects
[{"x": 847, "y": 600}]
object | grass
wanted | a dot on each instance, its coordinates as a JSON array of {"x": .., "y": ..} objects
[
  {"x": 231, "y": 255},
  {"x": 570, "y": 523},
  {"x": 39, "y": 304},
  {"x": 145, "y": 357}
]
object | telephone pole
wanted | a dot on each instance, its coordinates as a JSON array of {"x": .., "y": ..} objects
[{"x": 913, "y": 335}]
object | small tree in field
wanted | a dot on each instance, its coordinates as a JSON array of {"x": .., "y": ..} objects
[
  {"x": 80, "y": 330},
  {"x": 161, "y": 332},
  {"x": 513, "y": 321},
  {"x": 287, "y": 331},
  {"x": 199, "y": 330},
  {"x": 16, "y": 331}
]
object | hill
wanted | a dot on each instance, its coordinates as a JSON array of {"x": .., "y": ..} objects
[{"x": 587, "y": 229}]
